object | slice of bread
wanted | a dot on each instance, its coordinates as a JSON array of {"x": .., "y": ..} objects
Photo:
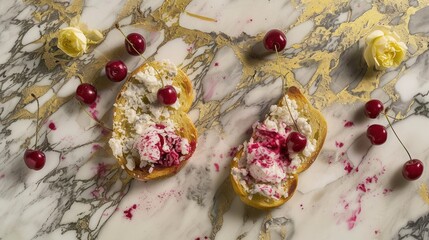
[
  {"x": 319, "y": 131},
  {"x": 183, "y": 125}
]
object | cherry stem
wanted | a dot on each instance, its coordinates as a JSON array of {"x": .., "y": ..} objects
[
  {"x": 145, "y": 59},
  {"x": 37, "y": 119},
  {"x": 283, "y": 93},
  {"x": 95, "y": 119},
  {"x": 390, "y": 124}
]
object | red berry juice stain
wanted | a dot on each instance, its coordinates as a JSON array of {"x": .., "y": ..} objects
[
  {"x": 2, "y": 176},
  {"x": 351, "y": 222},
  {"x": 105, "y": 131},
  {"x": 361, "y": 187},
  {"x": 371, "y": 179},
  {"x": 96, "y": 147},
  {"x": 216, "y": 167},
  {"x": 101, "y": 169},
  {"x": 348, "y": 167},
  {"x": 92, "y": 108},
  {"x": 339, "y": 144},
  {"x": 387, "y": 190},
  {"x": 96, "y": 193},
  {"x": 216, "y": 64},
  {"x": 129, "y": 212},
  {"x": 52, "y": 126},
  {"x": 233, "y": 151},
  {"x": 348, "y": 124}
]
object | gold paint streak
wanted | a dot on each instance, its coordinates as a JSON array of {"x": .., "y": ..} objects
[
  {"x": 201, "y": 17},
  {"x": 129, "y": 8},
  {"x": 265, "y": 235},
  {"x": 424, "y": 193}
]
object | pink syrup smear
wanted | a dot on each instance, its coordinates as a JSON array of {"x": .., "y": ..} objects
[
  {"x": 348, "y": 124},
  {"x": 52, "y": 126},
  {"x": 129, "y": 212}
]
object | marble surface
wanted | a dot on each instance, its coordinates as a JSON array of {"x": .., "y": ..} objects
[{"x": 353, "y": 190}]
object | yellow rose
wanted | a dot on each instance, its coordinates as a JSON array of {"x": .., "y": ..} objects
[
  {"x": 72, "y": 41},
  {"x": 384, "y": 49}
]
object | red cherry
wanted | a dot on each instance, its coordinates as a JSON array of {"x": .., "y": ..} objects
[
  {"x": 377, "y": 134},
  {"x": 34, "y": 159},
  {"x": 86, "y": 93},
  {"x": 373, "y": 108},
  {"x": 296, "y": 141},
  {"x": 167, "y": 95},
  {"x": 275, "y": 40},
  {"x": 116, "y": 70},
  {"x": 412, "y": 169},
  {"x": 137, "y": 41}
]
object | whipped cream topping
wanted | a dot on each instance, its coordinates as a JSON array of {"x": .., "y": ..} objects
[
  {"x": 267, "y": 162},
  {"x": 164, "y": 147}
]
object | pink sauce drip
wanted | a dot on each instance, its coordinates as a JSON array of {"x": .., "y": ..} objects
[
  {"x": 129, "y": 212},
  {"x": 52, "y": 126},
  {"x": 351, "y": 222},
  {"x": 216, "y": 167}
]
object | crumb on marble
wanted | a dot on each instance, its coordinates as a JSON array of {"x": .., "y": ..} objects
[
  {"x": 339, "y": 144},
  {"x": 52, "y": 126},
  {"x": 128, "y": 214}
]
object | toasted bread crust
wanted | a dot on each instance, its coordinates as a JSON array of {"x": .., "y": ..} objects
[
  {"x": 183, "y": 124},
  {"x": 319, "y": 126}
]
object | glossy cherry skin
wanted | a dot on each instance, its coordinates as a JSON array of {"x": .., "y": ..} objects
[
  {"x": 86, "y": 93},
  {"x": 167, "y": 95},
  {"x": 373, "y": 108},
  {"x": 116, "y": 70},
  {"x": 296, "y": 141},
  {"x": 34, "y": 159},
  {"x": 275, "y": 40},
  {"x": 412, "y": 169},
  {"x": 137, "y": 41},
  {"x": 377, "y": 134}
]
